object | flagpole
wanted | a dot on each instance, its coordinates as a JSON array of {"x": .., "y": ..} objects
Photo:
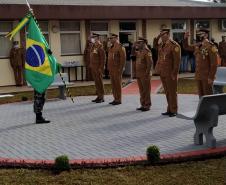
[{"x": 68, "y": 92}]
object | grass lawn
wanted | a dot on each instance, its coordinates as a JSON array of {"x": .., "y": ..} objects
[
  {"x": 187, "y": 86},
  {"x": 210, "y": 172}
]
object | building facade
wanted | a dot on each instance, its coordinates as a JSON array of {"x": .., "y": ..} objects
[{"x": 66, "y": 26}]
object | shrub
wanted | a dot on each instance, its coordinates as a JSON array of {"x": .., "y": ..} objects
[
  {"x": 153, "y": 154},
  {"x": 24, "y": 98},
  {"x": 62, "y": 163}
]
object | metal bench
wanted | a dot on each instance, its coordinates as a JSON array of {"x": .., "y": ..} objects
[
  {"x": 58, "y": 82},
  {"x": 220, "y": 80},
  {"x": 206, "y": 117}
]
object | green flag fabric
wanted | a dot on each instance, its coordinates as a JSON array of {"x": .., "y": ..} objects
[{"x": 40, "y": 66}]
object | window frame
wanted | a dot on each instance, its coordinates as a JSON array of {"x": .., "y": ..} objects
[
  {"x": 184, "y": 30},
  {"x": 71, "y": 32},
  {"x": 4, "y": 34}
]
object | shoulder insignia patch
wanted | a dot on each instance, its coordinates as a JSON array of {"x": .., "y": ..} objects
[
  {"x": 214, "y": 49},
  {"x": 149, "y": 54},
  {"x": 177, "y": 49}
]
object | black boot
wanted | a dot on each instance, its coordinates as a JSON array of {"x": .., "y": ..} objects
[{"x": 40, "y": 119}]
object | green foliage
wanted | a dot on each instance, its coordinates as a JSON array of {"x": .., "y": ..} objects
[
  {"x": 24, "y": 98},
  {"x": 62, "y": 163},
  {"x": 153, "y": 154}
]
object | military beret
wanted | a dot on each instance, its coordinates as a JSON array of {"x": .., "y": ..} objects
[
  {"x": 202, "y": 31},
  {"x": 165, "y": 30},
  {"x": 112, "y": 35},
  {"x": 142, "y": 39},
  {"x": 95, "y": 35}
]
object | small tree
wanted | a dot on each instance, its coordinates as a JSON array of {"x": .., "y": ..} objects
[
  {"x": 61, "y": 164},
  {"x": 153, "y": 154}
]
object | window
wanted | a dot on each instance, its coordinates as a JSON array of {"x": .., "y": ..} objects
[
  {"x": 100, "y": 28},
  {"x": 44, "y": 26},
  {"x": 70, "y": 37},
  {"x": 200, "y": 24},
  {"x": 127, "y": 26},
  {"x": 178, "y": 29},
  {"x": 5, "y": 43}
]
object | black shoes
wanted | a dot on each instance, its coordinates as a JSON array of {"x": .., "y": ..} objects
[
  {"x": 40, "y": 119},
  {"x": 170, "y": 114},
  {"x": 143, "y": 109},
  {"x": 116, "y": 103},
  {"x": 98, "y": 100},
  {"x": 140, "y": 108},
  {"x": 94, "y": 101},
  {"x": 166, "y": 113}
]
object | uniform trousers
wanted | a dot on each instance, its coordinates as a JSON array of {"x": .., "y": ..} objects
[
  {"x": 39, "y": 101},
  {"x": 204, "y": 88},
  {"x": 18, "y": 75},
  {"x": 170, "y": 88},
  {"x": 144, "y": 89},
  {"x": 98, "y": 79},
  {"x": 116, "y": 82}
]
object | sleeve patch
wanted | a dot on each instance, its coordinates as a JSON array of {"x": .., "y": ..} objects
[
  {"x": 214, "y": 49},
  {"x": 177, "y": 49}
]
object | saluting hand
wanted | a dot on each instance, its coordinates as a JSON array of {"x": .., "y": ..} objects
[{"x": 186, "y": 35}]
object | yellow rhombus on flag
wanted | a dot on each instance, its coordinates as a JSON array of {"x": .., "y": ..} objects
[{"x": 40, "y": 65}]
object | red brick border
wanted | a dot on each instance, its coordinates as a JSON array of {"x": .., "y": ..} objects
[{"x": 115, "y": 162}]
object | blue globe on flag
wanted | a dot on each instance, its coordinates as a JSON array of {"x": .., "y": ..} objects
[{"x": 35, "y": 56}]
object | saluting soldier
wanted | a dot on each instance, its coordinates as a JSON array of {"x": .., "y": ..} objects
[
  {"x": 143, "y": 68},
  {"x": 206, "y": 61},
  {"x": 169, "y": 57},
  {"x": 17, "y": 61},
  {"x": 116, "y": 63},
  {"x": 97, "y": 60},
  {"x": 222, "y": 51}
]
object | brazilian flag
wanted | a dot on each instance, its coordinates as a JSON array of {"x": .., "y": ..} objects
[{"x": 40, "y": 65}]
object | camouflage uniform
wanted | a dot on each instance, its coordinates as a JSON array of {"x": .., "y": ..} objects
[{"x": 39, "y": 101}]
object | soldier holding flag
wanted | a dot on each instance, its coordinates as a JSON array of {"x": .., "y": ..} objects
[{"x": 40, "y": 66}]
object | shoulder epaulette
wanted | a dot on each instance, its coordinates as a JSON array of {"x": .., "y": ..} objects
[
  {"x": 174, "y": 42},
  {"x": 211, "y": 43},
  {"x": 147, "y": 49}
]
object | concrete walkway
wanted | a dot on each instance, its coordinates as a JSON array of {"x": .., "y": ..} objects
[{"x": 86, "y": 130}]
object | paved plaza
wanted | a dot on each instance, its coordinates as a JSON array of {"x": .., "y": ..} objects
[{"x": 85, "y": 130}]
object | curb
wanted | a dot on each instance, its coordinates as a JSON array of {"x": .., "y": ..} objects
[{"x": 116, "y": 162}]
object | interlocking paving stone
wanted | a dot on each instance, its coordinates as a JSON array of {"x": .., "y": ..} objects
[{"x": 86, "y": 130}]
